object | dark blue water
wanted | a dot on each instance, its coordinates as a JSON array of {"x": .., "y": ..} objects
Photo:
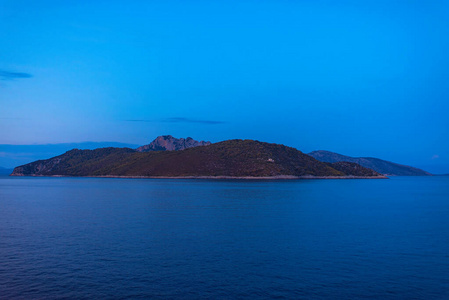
[{"x": 88, "y": 238}]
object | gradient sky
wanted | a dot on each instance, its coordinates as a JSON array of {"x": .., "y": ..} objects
[{"x": 361, "y": 78}]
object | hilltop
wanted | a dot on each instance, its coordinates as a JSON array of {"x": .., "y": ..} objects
[{"x": 169, "y": 143}]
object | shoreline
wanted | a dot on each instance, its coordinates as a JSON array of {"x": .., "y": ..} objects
[{"x": 278, "y": 177}]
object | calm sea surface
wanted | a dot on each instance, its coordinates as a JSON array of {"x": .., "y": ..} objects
[{"x": 94, "y": 238}]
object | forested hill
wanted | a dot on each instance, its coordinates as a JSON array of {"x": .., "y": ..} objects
[{"x": 235, "y": 158}]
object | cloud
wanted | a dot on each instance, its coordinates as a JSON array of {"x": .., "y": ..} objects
[
  {"x": 143, "y": 121},
  {"x": 180, "y": 120},
  {"x": 6, "y": 75},
  {"x": 13, "y": 118},
  {"x": 436, "y": 156},
  {"x": 187, "y": 120}
]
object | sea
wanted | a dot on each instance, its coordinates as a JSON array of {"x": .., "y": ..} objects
[{"x": 106, "y": 238}]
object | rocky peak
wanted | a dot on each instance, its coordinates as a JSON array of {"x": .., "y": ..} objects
[{"x": 170, "y": 143}]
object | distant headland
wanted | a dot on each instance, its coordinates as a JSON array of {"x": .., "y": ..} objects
[
  {"x": 169, "y": 157},
  {"x": 379, "y": 165}
]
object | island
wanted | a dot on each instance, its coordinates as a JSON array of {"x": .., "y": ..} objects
[{"x": 227, "y": 159}]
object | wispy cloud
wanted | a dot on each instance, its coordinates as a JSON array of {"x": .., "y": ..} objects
[
  {"x": 143, "y": 121},
  {"x": 7, "y": 75},
  {"x": 13, "y": 118},
  {"x": 187, "y": 120},
  {"x": 179, "y": 120}
]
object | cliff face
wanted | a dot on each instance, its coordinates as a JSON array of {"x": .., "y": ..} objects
[
  {"x": 237, "y": 158},
  {"x": 169, "y": 143},
  {"x": 376, "y": 164}
]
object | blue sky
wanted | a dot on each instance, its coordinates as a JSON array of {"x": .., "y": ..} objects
[{"x": 362, "y": 78}]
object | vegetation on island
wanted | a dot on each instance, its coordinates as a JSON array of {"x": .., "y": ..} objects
[{"x": 236, "y": 158}]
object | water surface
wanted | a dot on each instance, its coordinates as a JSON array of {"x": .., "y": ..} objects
[{"x": 108, "y": 238}]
